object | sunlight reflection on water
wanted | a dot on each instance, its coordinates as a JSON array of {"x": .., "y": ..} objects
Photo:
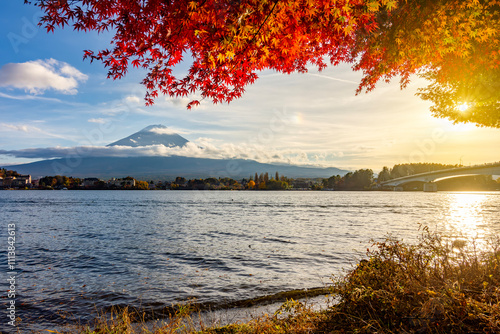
[{"x": 464, "y": 216}]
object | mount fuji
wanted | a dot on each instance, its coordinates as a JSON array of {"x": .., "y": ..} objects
[
  {"x": 162, "y": 167},
  {"x": 152, "y": 135}
]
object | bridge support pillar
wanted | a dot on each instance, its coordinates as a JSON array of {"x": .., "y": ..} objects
[{"x": 430, "y": 187}]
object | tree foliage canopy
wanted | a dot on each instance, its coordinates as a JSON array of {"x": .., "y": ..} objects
[{"x": 453, "y": 43}]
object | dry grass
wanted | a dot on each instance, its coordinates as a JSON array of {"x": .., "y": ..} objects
[{"x": 434, "y": 286}]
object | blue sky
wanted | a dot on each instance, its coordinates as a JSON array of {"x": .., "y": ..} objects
[{"x": 51, "y": 100}]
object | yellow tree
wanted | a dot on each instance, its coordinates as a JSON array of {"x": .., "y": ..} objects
[
  {"x": 454, "y": 44},
  {"x": 251, "y": 184},
  {"x": 142, "y": 185}
]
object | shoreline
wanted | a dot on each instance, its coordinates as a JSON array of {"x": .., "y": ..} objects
[{"x": 217, "y": 313}]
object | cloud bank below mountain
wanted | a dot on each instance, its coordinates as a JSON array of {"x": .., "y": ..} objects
[{"x": 203, "y": 148}]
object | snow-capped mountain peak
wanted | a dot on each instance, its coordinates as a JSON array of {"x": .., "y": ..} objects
[{"x": 152, "y": 135}]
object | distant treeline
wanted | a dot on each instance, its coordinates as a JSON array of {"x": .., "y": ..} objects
[
  {"x": 59, "y": 181},
  {"x": 256, "y": 182},
  {"x": 65, "y": 182},
  {"x": 362, "y": 179},
  {"x": 410, "y": 169},
  {"x": 8, "y": 173}
]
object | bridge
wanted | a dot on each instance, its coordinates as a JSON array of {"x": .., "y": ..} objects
[{"x": 430, "y": 177}]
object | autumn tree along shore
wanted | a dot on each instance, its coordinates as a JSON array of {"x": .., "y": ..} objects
[{"x": 453, "y": 43}]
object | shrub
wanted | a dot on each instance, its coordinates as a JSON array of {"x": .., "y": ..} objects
[{"x": 435, "y": 286}]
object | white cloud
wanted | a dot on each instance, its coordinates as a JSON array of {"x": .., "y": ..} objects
[
  {"x": 329, "y": 77},
  {"x": 168, "y": 131},
  {"x": 29, "y": 130},
  {"x": 31, "y": 97},
  {"x": 73, "y": 72},
  {"x": 22, "y": 128},
  {"x": 40, "y": 75},
  {"x": 97, "y": 120},
  {"x": 132, "y": 100},
  {"x": 182, "y": 102}
]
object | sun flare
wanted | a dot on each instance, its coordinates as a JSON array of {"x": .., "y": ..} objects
[{"x": 463, "y": 107}]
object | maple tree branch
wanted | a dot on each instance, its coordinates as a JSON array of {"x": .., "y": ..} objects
[
  {"x": 265, "y": 20},
  {"x": 256, "y": 33}
]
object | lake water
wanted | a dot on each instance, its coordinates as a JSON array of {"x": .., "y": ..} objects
[{"x": 82, "y": 251}]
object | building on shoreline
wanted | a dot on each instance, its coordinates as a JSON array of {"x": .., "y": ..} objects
[
  {"x": 20, "y": 181},
  {"x": 120, "y": 183}
]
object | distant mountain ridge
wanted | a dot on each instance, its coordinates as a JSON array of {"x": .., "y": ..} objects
[
  {"x": 152, "y": 135},
  {"x": 160, "y": 167},
  {"x": 168, "y": 168}
]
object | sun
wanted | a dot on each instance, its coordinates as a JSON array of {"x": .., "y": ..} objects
[{"x": 463, "y": 107}]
